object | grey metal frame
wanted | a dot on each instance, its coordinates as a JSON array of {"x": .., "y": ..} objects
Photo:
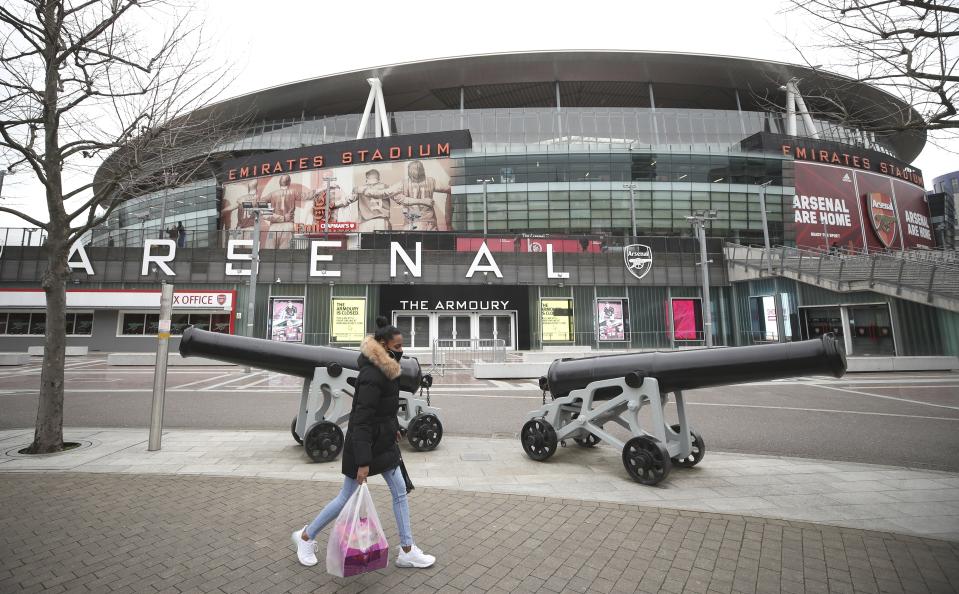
[
  {"x": 622, "y": 410},
  {"x": 324, "y": 399}
]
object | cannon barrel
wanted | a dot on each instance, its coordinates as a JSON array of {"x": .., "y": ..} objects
[
  {"x": 283, "y": 357},
  {"x": 686, "y": 370}
]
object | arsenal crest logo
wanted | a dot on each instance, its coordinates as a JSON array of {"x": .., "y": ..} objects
[
  {"x": 639, "y": 259},
  {"x": 221, "y": 299},
  {"x": 882, "y": 216}
]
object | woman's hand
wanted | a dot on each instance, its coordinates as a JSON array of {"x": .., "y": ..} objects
[
  {"x": 399, "y": 437},
  {"x": 361, "y": 473}
]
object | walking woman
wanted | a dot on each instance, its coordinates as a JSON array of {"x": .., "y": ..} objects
[{"x": 370, "y": 446}]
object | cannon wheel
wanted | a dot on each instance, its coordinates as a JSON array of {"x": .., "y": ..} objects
[
  {"x": 323, "y": 442},
  {"x": 646, "y": 460},
  {"x": 298, "y": 439},
  {"x": 698, "y": 450},
  {"x": 539, "y": 439},
  {"x": 424, "y": 432}
]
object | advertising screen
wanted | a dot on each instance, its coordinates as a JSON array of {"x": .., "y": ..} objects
[
  {"x": 286, "y": 319},
  {"x": 347, "y": 319},
  {"x": 404, "y": 196},
  {"x": 687, "y": 320},
  {"x": 841, "y": 207},
  {"x": 612, "y": 319},
  {"x": 557, "y": 320}
]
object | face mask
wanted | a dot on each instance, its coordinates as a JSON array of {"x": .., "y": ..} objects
[{"x": 397, "y": 355}]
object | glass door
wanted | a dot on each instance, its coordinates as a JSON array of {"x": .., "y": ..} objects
[
  {"x": 871, "y": 330},
  {"x": 454, "y": 328},
  {"x": 496, "y": 327},
  {"x": 415, "y": 329}
]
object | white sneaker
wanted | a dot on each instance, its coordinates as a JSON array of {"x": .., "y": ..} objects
[
  {"x": 305, "y": 549},
  {"x": 415, "y": 558}
]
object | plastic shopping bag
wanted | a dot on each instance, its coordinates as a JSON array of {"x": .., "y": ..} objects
[{"x": 357, "y": 543}]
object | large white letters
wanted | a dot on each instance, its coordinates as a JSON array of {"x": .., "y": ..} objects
[
  {"x": 475, "y": 267},
  {"x": 549, "y": 264},
  {"x": 316, "y": 257},
  {"x": 232, "y": 255},
  {"x": 416, "y": 268},
  {"x": 159, "y": 260},
  {"x": 84, "y": 262}
]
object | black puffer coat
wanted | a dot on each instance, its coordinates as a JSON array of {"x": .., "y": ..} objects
[{"x": 371, "y": 435}]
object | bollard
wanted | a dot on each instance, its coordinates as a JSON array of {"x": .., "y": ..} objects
[{"x": 159, "y": 373}]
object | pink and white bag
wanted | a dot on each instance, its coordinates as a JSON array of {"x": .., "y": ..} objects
[{"x": 357, "y": 542}]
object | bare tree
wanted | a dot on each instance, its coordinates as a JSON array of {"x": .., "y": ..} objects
[
  {"x": 905, "y": 47},
  {"x": 97, "y": 84}
]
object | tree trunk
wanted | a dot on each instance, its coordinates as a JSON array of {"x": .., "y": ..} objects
[{"x": 48, "y": 435}]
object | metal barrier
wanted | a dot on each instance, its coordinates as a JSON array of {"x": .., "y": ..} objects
[{"x": 459, "y": 354}]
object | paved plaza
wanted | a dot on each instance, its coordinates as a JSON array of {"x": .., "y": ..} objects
[
  {"x": 815, "y": 485},
  {"x": 114, "y": 533}
]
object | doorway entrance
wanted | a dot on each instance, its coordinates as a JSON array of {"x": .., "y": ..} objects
[{"x": 458, "y": 330}]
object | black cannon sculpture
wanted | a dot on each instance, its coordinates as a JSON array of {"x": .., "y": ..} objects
[
  {"x": 590, "y": 392},
  {"x": 329, "y": 376}
]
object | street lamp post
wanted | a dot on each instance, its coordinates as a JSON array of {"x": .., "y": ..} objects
[
  {"x": 259, "y": 209},
  {"x": 485, "y": 181},
  {"x": 698, "y": 220},
  {"x": 632, "y": 204},
  {"x": 762, "y": 209}
]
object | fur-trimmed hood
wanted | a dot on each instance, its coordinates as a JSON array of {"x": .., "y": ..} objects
[{"x": 378, "y": 356}]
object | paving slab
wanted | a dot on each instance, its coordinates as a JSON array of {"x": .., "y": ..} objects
[
  {"x": 93, "y": 532},
  {"x": 909, "y": 501}
]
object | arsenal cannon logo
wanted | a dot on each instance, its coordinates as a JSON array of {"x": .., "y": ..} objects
[
  {"x": 882, "y": 216},
  {"x": 221, "y": 299},
  {"x": 639, "y": 259}
]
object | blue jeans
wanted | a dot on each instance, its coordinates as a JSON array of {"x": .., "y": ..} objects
[{"x": 401, "y": 509}]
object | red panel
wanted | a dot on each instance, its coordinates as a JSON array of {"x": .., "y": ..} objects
[
  {"x": 825, "y": 209},
  {"x": 913, "y": 214}
]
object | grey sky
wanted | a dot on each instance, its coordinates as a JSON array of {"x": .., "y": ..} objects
[{"x": 280, "y": 41}]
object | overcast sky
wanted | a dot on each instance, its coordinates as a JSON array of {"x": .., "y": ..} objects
[{"x": 280, "y": 41}]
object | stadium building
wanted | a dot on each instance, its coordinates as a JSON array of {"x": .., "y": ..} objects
[{"x": 523, "y": 201}]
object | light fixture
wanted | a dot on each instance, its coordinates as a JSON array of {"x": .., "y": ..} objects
[
  {"x": 683, "y": 176},
  {"x": 278, "y": 280},
  {"x": 653, "y": 162},
  {"x": 717, "y": 180}
]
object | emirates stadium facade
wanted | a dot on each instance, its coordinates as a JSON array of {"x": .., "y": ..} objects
[{"x": 524, "y": 200}]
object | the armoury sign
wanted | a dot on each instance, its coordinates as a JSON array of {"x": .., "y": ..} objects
[{"x": 377, "y": 184}]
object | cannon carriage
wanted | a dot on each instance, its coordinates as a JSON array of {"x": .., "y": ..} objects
[
  {"x": 329, "y": 380},
  {"x": 592, "y": 392}
]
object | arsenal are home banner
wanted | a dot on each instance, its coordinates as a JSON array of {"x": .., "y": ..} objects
[{"x": 841, "y": 207}]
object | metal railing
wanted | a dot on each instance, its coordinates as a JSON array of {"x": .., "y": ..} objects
[
  {"x": 459, "y": 354},
  {"x": 905, "y": 273}
]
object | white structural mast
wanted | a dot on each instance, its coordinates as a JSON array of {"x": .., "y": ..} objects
[
  {"x": 793, "y": 100},
  {"x": 382, "y": 123}
]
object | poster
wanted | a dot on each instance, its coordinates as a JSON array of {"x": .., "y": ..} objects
[
  {"x": 612, "y": 319},
  {"x": 557, "y": 320},
  {"x": 347, "y": 319},
  {"x": 825, "y": 208},
  {"x": 286, "y": 319},
  {"x": 687, "y": 317},
  {"x": 840, "y": 207},
  {"x": 400, "y": 196}
]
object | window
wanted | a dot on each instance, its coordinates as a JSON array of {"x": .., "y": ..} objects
[
  {"x": 148, "y": 324},
  {"x": 34, "y": 323}
]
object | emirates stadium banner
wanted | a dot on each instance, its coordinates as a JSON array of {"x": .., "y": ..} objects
[
  {"x": 849, "y": 197},
  {"x": 377, "y": 184}
]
